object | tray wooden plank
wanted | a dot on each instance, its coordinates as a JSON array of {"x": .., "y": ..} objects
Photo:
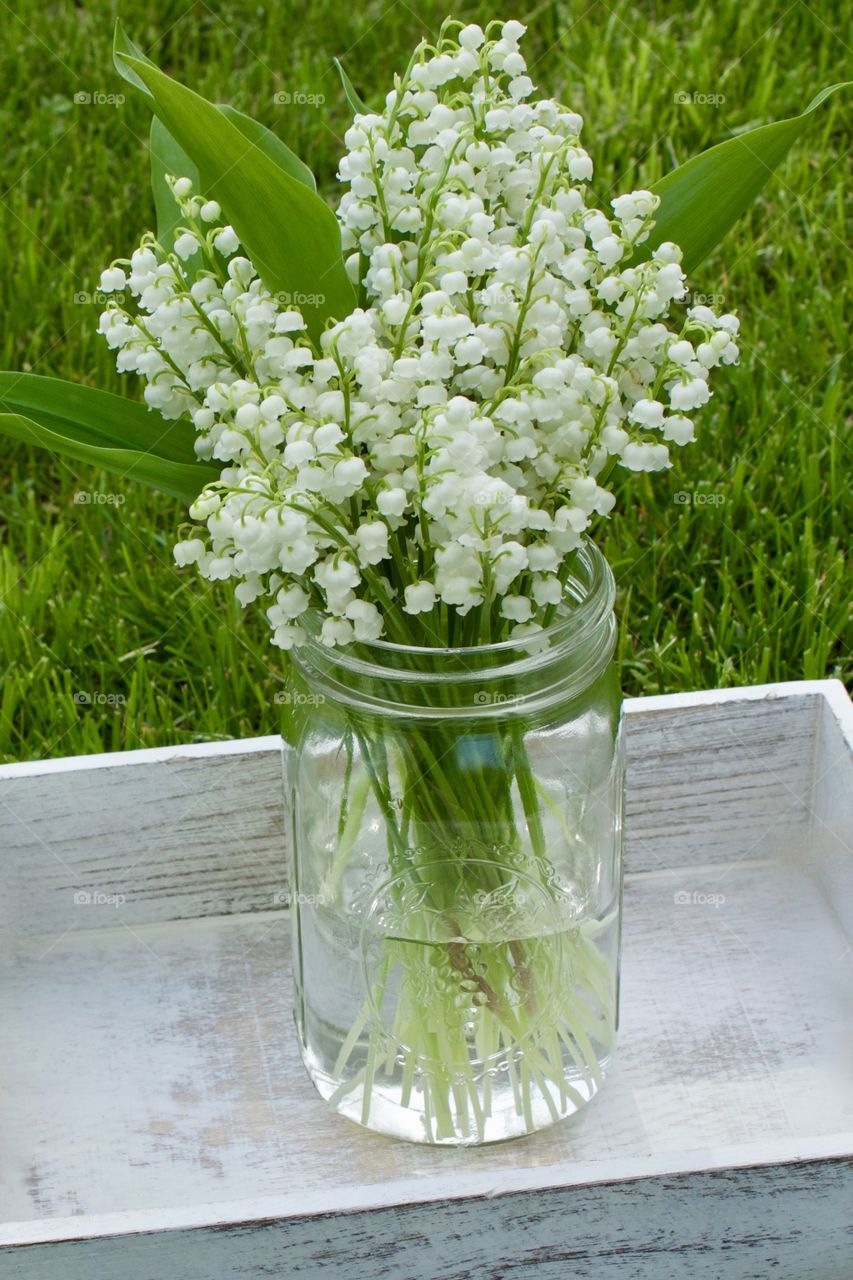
[
  {"x": 155, "y": 1120},
  {"x": 157, "y": 1065},
  {"x": 193, "y": 831},
  {"x": 734, "y": 1224}
]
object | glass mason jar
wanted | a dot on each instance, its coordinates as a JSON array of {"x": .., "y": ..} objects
[{"x": 456, "y": 874}]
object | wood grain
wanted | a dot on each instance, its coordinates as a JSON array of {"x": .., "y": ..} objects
[
  {"x": 155, "y": 1119},
  {"x": 180, "y": 833},
  {"x": 738, "y": 1224}
]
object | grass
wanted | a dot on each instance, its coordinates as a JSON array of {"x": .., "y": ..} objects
[{"x": 730, "y": 567}]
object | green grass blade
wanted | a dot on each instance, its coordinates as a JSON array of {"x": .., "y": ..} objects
[
  {"x": 702, "y": 199},
  {"x": 179, "y": 479}
]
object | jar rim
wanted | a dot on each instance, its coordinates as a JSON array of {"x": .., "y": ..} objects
[{"x": 593, "y": 578}]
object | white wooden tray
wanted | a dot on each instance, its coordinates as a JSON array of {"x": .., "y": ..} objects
[{"x": 155, "y": 1123}]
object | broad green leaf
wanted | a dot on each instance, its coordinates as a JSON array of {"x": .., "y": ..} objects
[
  {"x": 122, "y": 44},
  {"x": 168, "y": 157},
  {"x": 180, "y": 479},
  {"x": 99, "y": 416},
  {"x": 96, "y": 426},
  {"x": 358, "y": 106},
  {"x": 271, "y": 145},
  {"x": 702, "y": 199},
  {"x": 289, "y": 232}
]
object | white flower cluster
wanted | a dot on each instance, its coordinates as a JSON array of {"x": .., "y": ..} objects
[{"x": 427, "y": 470}]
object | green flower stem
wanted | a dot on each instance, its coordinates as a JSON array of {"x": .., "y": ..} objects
[
  {"x": 353, "y": 813},
  {"x": 471, "y": 983},
  {"x": 446, "y": 798}
]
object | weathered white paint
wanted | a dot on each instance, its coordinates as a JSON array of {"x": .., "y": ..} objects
[
  {"x": 155, "y": 1119},
  {"x": 832, "y": 810},
  {"x": 184, "y": 832},
  {"x": 181, "y": 832}
]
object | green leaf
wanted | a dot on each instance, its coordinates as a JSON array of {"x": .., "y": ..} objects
[
  {"x": 95, "y": 426},
  {"x": 356, "y": 103},
  {"x": 289, "y": 232},
  {"x": 122, "y": 44},
  {"x": 271, "y": 145},
  {"x": 702, "y": 199},
  {"x": 104, "y": 418},
  {"x": 168, "y": 157},
  {"x": 179, "y": 479}
]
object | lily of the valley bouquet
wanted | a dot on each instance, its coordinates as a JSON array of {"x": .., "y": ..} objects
[{"x": 394, "y": 426}]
